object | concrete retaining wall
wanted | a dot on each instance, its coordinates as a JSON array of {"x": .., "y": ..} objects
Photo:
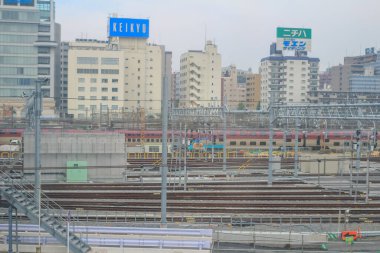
[{"x": 105, "y": 154}]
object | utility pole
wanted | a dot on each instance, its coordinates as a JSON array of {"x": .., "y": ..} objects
[
  {"x": 225, "y": 134},
  {"x": 296, "y": 148},
  {"x": 164, "y": 166},
  {"x": 358, "y": 144},
  {"x": 185, "y": 160}
]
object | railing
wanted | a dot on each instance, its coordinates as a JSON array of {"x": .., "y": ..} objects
[{"x": 47, "y": 206}]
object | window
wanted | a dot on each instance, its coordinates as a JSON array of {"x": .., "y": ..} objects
[
  {"x": 110, "y": 61},
  {"x": 43, "y": 60},
  {"x": 93, "y": 107},
  {"x": 252, "y": 143},
  {"x": 114, "y": 107},
  {"x": 154, "y": 149},
  {"x": 115, "y": 89},
  {"x": 81, "y": 107},
  {"x": 104, "y": 98},
  {"x": 87, "y": 71},
  {"x": 104, "y": 80},
  {"x": 81, "y": 80},
  {"x": 336, "y": 143},
  {"x": 263, "y": 143},
  {"x": 81, "y": 89},
  {"x": 93, "y": 97},
  {"x": 114, "y": 98},
  {"x": 233, "y": 143},
  {"x": 44, "y": 71},
  {"x": 87, "y": 60},
  {"x": 93, "y": 89},
  {"x": 93, "y": 80},
  {"x": 104, "y": 89},
  {"x": 243, "y": 143},
  {"x": 81, "y": 98},
  {"x": 115, "y": 80},
  {"x": 110, "y": 71}
]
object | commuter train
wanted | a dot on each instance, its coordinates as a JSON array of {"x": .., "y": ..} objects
[{"x": 236, "y": 139}]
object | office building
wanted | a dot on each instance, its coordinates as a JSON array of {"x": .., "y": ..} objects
[
  {"x": 120, "y": 75},
  {"x": 369, "y": 81},
  {"x": 253, "y": 91},
  {"x": 234, "y": 91},
  {"x": 353, "y": 65},
  {"x": 288, "y": 79},
  {"x": 176, "y": 76},
  {"x": 200, "y": 84},
  {"x": 28, "y": 48}
]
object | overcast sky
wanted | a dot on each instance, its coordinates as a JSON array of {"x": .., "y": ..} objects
[{"x": 242, "y": 29}]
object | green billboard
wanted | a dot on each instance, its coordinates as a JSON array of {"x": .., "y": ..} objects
[{"x": 296, "y": 33}]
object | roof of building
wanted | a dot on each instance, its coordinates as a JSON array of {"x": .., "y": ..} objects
[{"x": 285, "y": 58}]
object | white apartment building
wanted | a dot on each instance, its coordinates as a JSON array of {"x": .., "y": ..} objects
[
  {"x": 289, "y": 79},
  {"x": 235, "y": 92},
  {"x": 200, "y": 80},
  {"x": 123, "y": 75}
]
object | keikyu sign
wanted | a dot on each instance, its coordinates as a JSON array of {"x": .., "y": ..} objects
[{"x": 129, "y": 28}]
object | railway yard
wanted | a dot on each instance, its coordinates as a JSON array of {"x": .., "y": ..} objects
[
  {"x": 303, "y": 209},
  {"x": 236, "y": 199}
]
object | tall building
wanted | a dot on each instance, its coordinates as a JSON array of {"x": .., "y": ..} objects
[
  {"x": 288, "y": 79},
  {"x": 122, "y": 74},
  {"x": 353, "y": 65},
  {"x": 253, "y": 87},
  {"x": 369, "y": 81},
  {"x": 200, "y": 84},
  {"x": 234, "y": 88},
  {"x": 64, "y": 48},
  {"x": 28, "y": 47},
  {"x": 176, "y": 88}
]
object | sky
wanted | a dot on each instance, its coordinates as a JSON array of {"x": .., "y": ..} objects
[{"x": 242, "y": 29}]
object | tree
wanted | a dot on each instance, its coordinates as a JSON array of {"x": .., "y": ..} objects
[{"x": 241, "y": 106}]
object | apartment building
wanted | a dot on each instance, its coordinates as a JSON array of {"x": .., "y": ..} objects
[
  {"x": 289, "y": 79},
  {"x": 200, "y": 80}
]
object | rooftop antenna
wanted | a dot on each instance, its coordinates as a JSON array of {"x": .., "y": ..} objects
[{"x": 205, "y": 34}]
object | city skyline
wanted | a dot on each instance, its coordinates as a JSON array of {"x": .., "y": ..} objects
[{"x": 242, "y": 29}]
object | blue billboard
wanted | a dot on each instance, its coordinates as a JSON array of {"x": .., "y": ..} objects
[
  {"x": 21, "y": 2},
  {"x": 129, "y": 28}
]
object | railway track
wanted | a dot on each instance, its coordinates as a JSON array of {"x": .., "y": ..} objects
[{"x": 246, "y": 199}]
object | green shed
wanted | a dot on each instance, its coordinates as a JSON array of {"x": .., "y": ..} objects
[{"x": 76, "y": 172}]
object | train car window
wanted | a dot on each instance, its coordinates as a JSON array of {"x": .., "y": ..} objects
[
  {"x": 133, "y": 140},
  {"x": 243, "y": 143},
  {"x": 288, "y": 140},
  {"x": 336, "y": 143},
  {"x": 129, "y": 140},
  {"x": 138, "y": 140},
  {"x": 327, "y": 140},
  {"x": 154, "y": 149},
  {"x": 263, "y": 143},
  {"x": 220, "y": 139},
  {"x": 252, "y": 143},
  {"x": 274, "y": 143},
  {"x": 299, "y": 139},
  {"x": 157, "y": 140},
  {"x": 233, "y": 143},
  {"x": 346, "y": 144}
]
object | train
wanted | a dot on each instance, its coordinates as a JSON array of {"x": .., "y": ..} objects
[{"x": 246, "y": 140}]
